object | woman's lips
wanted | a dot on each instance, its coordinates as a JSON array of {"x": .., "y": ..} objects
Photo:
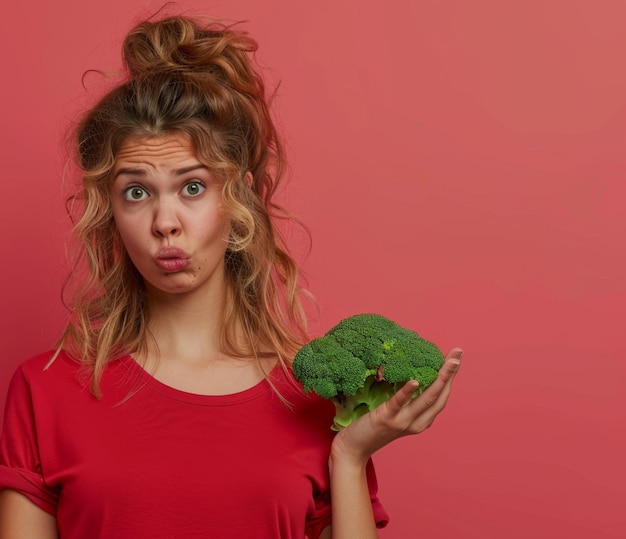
[{"x": 171, "y": 259}]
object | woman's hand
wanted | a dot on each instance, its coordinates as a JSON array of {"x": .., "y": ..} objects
[{"x": 399, "y": 416}]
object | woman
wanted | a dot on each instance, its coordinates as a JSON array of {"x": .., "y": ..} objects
[{"x": 168, "y": 409}]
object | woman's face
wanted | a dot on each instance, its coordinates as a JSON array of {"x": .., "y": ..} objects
[{"x": 167, "y": 207}]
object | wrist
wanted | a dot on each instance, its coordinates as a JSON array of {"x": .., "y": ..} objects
[
  {"x": 342, "y": 455},
  {"x": 346, "y": 470}
]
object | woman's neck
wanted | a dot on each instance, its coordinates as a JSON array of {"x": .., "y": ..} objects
[
  {"x": 185, "y": 351},
  {"x": 186, "y": 326}
]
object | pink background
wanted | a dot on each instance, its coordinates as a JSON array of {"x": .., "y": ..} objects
[{"x": 461, "y": 166}]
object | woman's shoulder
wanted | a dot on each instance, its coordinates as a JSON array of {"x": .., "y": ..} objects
[
  {"x": 53, "y": 371},
  {"x": 39, "y": 361},
  {"x": 41, "y": 378},
  {"x": 49, "y": 364}
]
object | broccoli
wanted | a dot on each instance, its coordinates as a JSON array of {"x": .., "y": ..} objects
[{"x": 362, "y": 361}]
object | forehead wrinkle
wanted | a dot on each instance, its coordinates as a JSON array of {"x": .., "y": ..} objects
[
  {"x": 155, "y": 145},
  {"x": 137, "y": 156}
]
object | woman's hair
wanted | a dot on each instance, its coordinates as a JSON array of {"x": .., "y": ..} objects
[{"x": 183, "y": 77}]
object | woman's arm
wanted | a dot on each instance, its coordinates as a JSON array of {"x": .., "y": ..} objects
[
  {"x": 22, "y": 519},
  {"x": 354, "y": 445},
  {"x": 351, "y": 503}
]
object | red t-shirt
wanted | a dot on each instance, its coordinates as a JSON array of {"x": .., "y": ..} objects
[{"x": 150, "y": 461}]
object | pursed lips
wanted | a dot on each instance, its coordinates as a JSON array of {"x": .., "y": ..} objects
[{"x": 171, "y": 259}]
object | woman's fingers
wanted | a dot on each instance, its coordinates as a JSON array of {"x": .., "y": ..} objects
[
  {"x": 446, "y": 374},
  {"x": 416, "y": 414},
  {"x": 403, "y": 396},
  {"x": 431, "y": 394},
  {"x": 455, "y": 353},
  {"x": 434, "y": 398}
]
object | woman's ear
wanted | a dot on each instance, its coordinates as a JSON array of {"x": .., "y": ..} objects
[{"x": 248, "y": 178}]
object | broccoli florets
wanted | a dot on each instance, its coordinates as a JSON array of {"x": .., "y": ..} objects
[{"x": 362, "y": 361}]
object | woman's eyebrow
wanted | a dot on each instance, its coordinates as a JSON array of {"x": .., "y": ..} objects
[
  {"x": 130, "y": 171},
  {"x": 184, "y": 170},
  {"x": 176, "y": 171}
]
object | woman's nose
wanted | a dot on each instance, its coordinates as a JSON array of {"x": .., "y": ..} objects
[{"x": 165, "y": 222}]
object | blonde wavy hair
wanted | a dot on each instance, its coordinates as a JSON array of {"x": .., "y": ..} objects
[{"x": 183, "y": 76}]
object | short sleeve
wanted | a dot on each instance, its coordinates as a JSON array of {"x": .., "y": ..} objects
[
  {"x": 322, "y": 516},
  {"x": 20, "y": 463}
]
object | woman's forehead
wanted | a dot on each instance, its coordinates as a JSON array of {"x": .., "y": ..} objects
[{"x": 156, "y": 146}]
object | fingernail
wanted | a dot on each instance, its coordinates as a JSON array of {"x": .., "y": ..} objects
[{"x": 459, "y": 355}]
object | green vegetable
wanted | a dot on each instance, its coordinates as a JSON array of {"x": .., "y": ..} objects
[{"x": 362, "y": 362}]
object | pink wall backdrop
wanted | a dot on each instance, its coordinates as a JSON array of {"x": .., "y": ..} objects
[{"x": 462, "y": 168}]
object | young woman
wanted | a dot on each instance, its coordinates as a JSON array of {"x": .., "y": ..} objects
[{"x": 168, "y": 408}]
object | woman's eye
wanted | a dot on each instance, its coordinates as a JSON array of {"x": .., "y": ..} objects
[
  {"x": 193, "y": 189},
  {"x": 135, "y": 193}
]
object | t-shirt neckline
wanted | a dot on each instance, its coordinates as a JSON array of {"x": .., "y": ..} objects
[{"x": 259, "y": 389}]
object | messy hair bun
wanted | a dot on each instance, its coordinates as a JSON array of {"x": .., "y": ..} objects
[
  {"x": 180, "y": 44},
  {"x": 200, "y": 81}
]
